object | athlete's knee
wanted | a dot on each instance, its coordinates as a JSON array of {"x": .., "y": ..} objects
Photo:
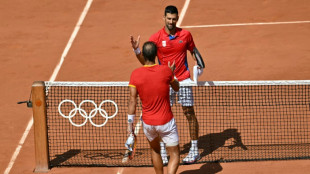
[
  {"x": 155, "y": 145},
  {"x": 175, "y": 150},
  {"x": 173, "y": 165}
]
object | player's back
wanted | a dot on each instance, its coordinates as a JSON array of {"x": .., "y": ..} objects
[{"x": 152, "y": 83}]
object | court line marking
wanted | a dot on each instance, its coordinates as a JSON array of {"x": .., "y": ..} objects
[
  {"x": 52, "y": 78},
  {"x": 182, "y": 14},
  {"x": 19, "y": 146},
  {"x": 246, "y": 24},
  {"x": 73, "y": 35},
  {"x": 120, "y": 171}
]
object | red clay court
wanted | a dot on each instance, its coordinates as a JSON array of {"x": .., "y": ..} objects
[{"x": 240, "y": 40}]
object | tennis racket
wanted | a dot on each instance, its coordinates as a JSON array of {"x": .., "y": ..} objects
[
  {"x": 131, "y": 144},
  {"x": 199, "y": 59},
  {"x": 131, "y": 154}
]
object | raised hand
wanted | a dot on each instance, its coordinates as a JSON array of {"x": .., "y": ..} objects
[
  {"x": 172, "y": 67},
  {"x": 135, "y": 43}
]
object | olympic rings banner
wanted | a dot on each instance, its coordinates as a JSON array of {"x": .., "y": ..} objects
[{"x": 88, "y": 116}]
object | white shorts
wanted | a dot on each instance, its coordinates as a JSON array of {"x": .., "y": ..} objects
[
  {"x": 168, "y": 132},
  {"x": 185, "y": 95}
]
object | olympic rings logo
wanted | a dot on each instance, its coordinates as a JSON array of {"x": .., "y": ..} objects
[{"x": 84, "y": 114}]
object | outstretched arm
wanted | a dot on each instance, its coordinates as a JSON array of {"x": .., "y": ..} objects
[
  {"x": 174, "y": 83},
  {"x": 135, "y": 46},
  {"x": 132, "y": 108},
  {"x": 131, "y": 116}
]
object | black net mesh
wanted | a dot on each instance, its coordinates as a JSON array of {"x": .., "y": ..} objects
[{"x": 87, "y": 125}]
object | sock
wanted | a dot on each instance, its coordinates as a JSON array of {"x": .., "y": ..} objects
[
  {"x": 194, "y": 144},
  {"x": 162, "y": 148}
]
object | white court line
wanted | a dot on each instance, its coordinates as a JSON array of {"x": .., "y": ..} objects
[
  {"x": 246, "y": 24},
  {"x": 52, "y": 78},
  {"x": 120, "y": 171},
  {"x": 19, "y": 146},
  {"x": 73, "y": 35},
  {"x": 182, "y": 14}
]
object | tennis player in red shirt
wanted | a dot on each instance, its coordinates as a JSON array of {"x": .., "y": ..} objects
[
  {"x": 152, "y": 83},
  {"x": 172, "y": 43}
]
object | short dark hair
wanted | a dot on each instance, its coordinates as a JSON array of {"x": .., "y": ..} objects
[
  {"x": 171, "y": 9},
  {"x": 149, "y": 51}
]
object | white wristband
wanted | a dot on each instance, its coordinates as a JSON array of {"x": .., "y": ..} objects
[
  {"x": 131, "y": 118},
  {"x": 137, "y": 51}
]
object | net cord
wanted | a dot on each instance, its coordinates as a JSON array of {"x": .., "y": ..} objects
[{"x": 201, "y": 83}]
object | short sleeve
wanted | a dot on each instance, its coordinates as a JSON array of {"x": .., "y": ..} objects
[
  {"x": 169, "y": 74},
  {"x": 154, "y": 38},
  {"x": 190, "y": 43},
  {"x": 132, "y": 81}
]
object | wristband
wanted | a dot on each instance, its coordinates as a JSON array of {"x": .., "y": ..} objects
[
  {"x": 137, "y": 51},
  {"x": 131, "y": 118}
]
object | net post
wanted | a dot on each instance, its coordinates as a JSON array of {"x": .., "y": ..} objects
[{"x": 40, "y": 126}]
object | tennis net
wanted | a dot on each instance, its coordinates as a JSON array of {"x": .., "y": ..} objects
[{"x": 238, "y": 121}]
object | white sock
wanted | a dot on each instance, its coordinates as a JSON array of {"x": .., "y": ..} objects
[
  {"x": 194, "y": 144},
  {"x": 162, "y": 148}
]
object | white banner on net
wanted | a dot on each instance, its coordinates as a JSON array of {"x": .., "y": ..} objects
[{"x": 192, "y": 83}]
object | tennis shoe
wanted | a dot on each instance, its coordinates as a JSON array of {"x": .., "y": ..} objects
[
  {"x": 165, "y": 160},
  {"x": 192, "y": 157}
]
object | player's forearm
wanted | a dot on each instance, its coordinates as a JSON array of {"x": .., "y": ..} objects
[
  {"x": 131, "y": 114},
  {"x": 139, "y": 54},
  {"x": 196, "y": 55},
  {"x": 140, "y": 58},
  {"x": 133, "y": 94},
  {"x": 132, "y": 107},
  {"x": 193, "y": 56}
]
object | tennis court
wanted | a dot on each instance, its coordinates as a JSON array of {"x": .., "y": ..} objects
[{"x": 240, "y": 40}]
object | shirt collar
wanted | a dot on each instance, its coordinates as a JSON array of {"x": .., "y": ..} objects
[
  {"x": 150, "y": 65},
  {"x": 177, "y": 32}
]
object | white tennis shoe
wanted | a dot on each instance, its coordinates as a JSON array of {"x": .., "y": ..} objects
[
  {"x": 192, "y": 157},
  {"x": 165, "y": 159}
]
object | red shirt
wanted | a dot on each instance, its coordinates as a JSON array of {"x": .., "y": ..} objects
[
  {"x": 174, "y": 48},
  {"x": 153, "y": 84}
]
